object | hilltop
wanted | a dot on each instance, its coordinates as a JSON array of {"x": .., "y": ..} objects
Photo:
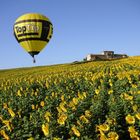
[{"x": 62, "y": 65}]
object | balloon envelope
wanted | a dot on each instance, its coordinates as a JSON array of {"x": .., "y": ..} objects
[{"x": 33, "y": 31}]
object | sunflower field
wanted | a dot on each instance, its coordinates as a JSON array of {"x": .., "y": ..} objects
[{"x": 97, "y": 100}]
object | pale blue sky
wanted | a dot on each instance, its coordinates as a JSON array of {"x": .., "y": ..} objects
[{"x": 80, "y": 27}]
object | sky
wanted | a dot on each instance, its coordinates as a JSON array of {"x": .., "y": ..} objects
[{"x": 80, "y": 27}]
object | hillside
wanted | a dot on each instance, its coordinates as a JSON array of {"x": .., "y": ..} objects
[{"x": 87, "y": 101}]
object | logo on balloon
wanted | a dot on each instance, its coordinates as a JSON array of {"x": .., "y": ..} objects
[{"x": 27, "y": 28}]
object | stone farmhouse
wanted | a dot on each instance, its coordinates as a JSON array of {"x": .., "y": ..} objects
[{"x": 105, "y": 55}]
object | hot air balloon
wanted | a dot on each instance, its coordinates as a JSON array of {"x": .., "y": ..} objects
[{"x": 33, "y": 31}]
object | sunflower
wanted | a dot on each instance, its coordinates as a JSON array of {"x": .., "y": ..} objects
[
  {"x": 11, "y": 112},
  {"x": 113, "y": 135},
  {"x": 138, "y": 116},
  {"x": 130, "y": 119},
  {"x": 6, "y": 137},
  {"x": 62, "y": 118},
  {"x": 132, "y": 130},
  {"x": 45, "y": 129},
  {"x": 42, "y": 103},
  {"x": 103, "y": 127},
  {"x": 75, "y": 131}
]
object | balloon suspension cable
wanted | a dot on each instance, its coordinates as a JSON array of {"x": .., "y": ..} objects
[{"x": 34, "y": 60}]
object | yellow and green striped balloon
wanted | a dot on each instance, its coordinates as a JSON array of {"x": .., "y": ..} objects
[{"x": 33, "y": 31}]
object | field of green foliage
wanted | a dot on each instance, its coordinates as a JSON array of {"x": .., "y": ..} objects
[{"x": 86, "y": 101}]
